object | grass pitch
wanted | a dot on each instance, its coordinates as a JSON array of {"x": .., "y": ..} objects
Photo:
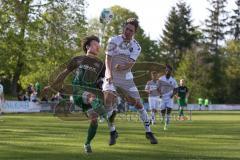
[{"x": 210, "y": 135}]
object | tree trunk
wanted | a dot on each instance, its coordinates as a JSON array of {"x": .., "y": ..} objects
[{"x": 21, "y": 11}]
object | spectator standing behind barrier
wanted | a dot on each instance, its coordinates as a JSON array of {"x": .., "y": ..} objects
[
  {"x": 30, "y": 90},
  {"x": 33, "y": 97},
  {"x": 37, "y": 88},
  {"x": 22, "y": 97}
]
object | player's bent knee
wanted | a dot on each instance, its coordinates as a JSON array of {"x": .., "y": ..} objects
[
  {"x": 138, "y": 105},
  {"x": 109, "y": 98}
]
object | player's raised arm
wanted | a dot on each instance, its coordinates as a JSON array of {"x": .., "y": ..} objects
[
  {"x": 57, "y": 83},
  {"x": 111, "y": 49},
  {"x": 147, "y": 88}
]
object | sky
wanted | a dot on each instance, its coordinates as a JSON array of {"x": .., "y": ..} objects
[{"x": 158, "y": 10}]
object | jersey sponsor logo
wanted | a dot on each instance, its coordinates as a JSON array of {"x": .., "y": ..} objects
[
  {"x": 123, "y": 45},
  {"x": 87, "y": 67},
  {"x": 96, "y": 65}
]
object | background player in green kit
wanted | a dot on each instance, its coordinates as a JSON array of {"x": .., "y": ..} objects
[
  {"x": 87, "y": 71},
  {"x": 182, "y": 95},
  {"x": 200, "y": 103},
  {"x": 206, "y": 103}
]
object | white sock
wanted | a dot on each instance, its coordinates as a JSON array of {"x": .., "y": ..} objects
[
  {"x": 153, "y": 116},
  {"x": 111, "y": 126},
  {"x": 144, "y": 117}
]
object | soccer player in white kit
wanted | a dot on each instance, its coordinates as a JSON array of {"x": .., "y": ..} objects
[
  {"x": 1, "y": 96},
  {"x": 119, "y": 76},
  {"x": 153, "y": 95},
  {"x": 1, "y": 93},
  {"x": 167, "y": 98}
]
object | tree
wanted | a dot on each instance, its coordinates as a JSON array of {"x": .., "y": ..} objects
[
  {"x": 215, "y": 30},
  {"x": 232, "y": 72},
  {"x": 179, "y": 34},
  {"x": 195, "y": 68},
  {"x": 37, "y": 36},
  {"x": 235, "y": 22}
]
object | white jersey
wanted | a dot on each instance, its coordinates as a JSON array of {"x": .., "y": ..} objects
[
  {"x": 153, "y": 87},
  {"x": 122, "y": 52},
  {"x": 117, "y": 46},
  {"x": 171, "y": 81}
]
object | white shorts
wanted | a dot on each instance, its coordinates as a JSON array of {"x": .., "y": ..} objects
[
  {"x": 128, "y": 88},
  {"x": 166, "y": 104},
  {"x": 154, "y": 102}
]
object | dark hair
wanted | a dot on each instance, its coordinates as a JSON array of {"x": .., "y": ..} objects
[
  {"x": 132, "y": 21},
  {"x": 168, "y": 67},
  {"x": 87, "y": 40}
]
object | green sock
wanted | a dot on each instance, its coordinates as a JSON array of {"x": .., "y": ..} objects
[
  {"x": 181, "y": 112},
  {"x": 91, "y": 132}
]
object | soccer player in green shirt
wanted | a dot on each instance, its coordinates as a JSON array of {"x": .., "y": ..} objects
[
  {"x": 206, "y": 103},
  {"x": 200, "y": 103},
  {"x": 87, "y": 71},
  {"x": 182, "y": 96}
]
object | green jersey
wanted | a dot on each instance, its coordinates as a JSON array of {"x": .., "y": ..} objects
[
  {"x": 206, "y": 102},
  {"x": 200, "y": 101},
  {"x": 87, "y": 77},
  {"x": 182, "y": 93}
]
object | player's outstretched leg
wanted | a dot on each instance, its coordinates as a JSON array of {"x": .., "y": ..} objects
[
  {"x": 113, "y": 132},
  {"x": 92, "y": 130},
  {"x": 181, "y": 115},
  {"x": 110, "y": 101},
  {"x": 162, "y": 113},
  {"x": 144, "y": 117},
  {"x": 153, "y": 120},
  {"x": 167, "y": 121}
]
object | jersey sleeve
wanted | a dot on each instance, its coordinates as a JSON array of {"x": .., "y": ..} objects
[
  {"x": 147, "y": 86},
  {"x": 111, "y": 46},
  {"x": 135, "y": 51},
  {"x": 73, "y": 63},
  {"x": 175, "y": 85},
  {"x": 99, "y": 81}
]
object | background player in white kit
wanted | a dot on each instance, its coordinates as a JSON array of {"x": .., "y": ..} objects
[
  {"x": 167, "y": 98},
  {"x": 1, "y": 96},
  {"x": 118, "y": 76},
  {"x": 153, "y": 95}
]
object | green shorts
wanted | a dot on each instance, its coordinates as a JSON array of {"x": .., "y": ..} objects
[
  {"x": 78, "y": 100},
  {"x": 182, "y": 103}
]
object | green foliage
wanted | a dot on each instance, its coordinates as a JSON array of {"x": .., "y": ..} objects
[
  {"x": 235, "y": 22},
  {"x": 232, "y": 72},
  {"x": 215, "y": 30},
  {"x": 195, "y": 68},
  {"x": 38, "y": 36},
  {"x": 179, "y": 34}
]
